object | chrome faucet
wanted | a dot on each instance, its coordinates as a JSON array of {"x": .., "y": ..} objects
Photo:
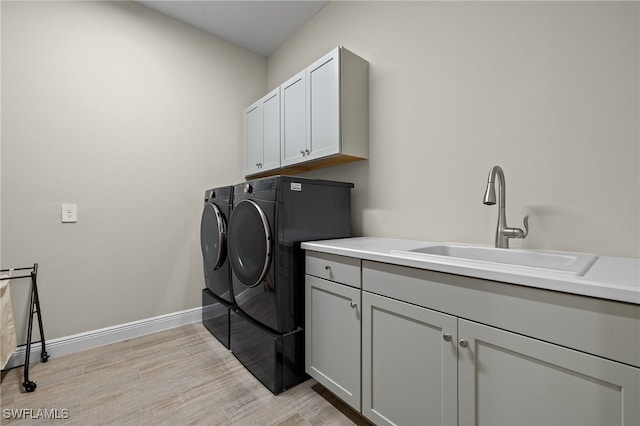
[{"x": 503, "y": 232}]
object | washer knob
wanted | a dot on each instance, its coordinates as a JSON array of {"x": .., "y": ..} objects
[{"x": 248, "y": 189}]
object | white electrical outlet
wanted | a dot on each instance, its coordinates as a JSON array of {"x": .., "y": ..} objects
[{"x": 69, "y": 213}]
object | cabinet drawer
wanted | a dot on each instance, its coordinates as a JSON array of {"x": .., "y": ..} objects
[{"x": 345, "y": 270}]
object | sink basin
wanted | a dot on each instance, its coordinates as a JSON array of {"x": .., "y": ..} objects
[{"x": 549, "y": 261}]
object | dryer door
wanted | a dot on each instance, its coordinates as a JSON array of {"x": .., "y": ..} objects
[
  {"x": 252, "y": 262},
  {"x": 249, "y": 243},
  {"x": 213, "y": 235}
]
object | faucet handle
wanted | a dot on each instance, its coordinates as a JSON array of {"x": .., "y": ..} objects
[
  {"x": 517, "y": 232},
  {"x": 526, "y": 227}
]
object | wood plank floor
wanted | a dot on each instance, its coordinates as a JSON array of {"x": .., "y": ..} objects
[{"x": 174, "y": 377}]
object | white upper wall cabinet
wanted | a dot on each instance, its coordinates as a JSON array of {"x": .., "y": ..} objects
[
  {"x": 262, "y": 134},
  {"x": 322, "y": 110},
  {"x": 293, "y": 119},
  {"x": 324, "y": 116},
  {"x": 253, "y": 138}
]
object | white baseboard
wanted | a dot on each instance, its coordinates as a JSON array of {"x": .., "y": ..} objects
[{"x": 93, "y": 339}]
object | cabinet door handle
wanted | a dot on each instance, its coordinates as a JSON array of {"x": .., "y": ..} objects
[
  {"x": 302, "y": 152},
  {"x": 446, "y": 337},
  {"x": 354, "y": 304},
  {"x": 463, "y": 343},
  {"x": 327, "y": 267},
  {"x": 306, "y": 151}
]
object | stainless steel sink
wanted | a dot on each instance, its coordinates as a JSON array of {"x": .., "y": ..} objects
[{"x": 550, "y": 261}]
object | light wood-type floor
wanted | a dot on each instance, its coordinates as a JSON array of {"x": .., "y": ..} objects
[{"x": 174, "y": 377}]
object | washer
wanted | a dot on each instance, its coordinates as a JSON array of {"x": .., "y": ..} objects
[
  {"x": 217, "y": 296},
  {"x": 270, "y": 218}
]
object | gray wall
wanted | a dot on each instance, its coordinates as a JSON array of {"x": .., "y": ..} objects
[
  {"x": 131, "y": 115},
  {"x": 548, "y": 90}
]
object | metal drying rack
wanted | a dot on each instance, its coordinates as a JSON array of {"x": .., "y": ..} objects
[{"x": 34, "y": 308}]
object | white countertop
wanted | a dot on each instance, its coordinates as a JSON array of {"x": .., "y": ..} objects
[{"x": 613, "y": 278}]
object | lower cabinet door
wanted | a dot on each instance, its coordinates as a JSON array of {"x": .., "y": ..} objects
[
  {"x": 508, "y": 379},
  {"x": 332, "y": 337},
  {"x": 409, "y": 363}
]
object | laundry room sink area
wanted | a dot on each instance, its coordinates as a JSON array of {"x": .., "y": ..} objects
[
  {"x": 550, "y": 261},
  {"x": 477, "y": 311}
]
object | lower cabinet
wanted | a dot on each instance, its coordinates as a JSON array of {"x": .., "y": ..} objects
[
  {"x": 371, "y": 340},
  {"x": 332, "y": 337},
  {"x": 408, "y": 363},
  {"x": 425, "y": 367},
  {"x": 508, "y": 379}
]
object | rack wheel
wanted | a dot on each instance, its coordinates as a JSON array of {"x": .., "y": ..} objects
[
  {"x": 44, "y": 356},
  {"x": 29, "y": 386}
]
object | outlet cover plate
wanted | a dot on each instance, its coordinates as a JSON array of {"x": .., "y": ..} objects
[{"x": 69, "y": 213}]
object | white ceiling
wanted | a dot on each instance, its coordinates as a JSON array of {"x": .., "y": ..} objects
[{"x": 259, "y": 26}]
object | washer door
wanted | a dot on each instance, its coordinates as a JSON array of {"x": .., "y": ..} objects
[
  {"x": 213, "y": 236},
  {"x": 249, "y": 243}
]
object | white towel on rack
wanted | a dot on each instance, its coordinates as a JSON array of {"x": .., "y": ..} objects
[{"x": 7, "y": 327}]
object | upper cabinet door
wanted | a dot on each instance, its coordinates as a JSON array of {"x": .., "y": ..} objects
[
  {"x": 323, "y": 116},
  {"x": 253, "y": 138},
  {"x": 271, "y": 130},
  {"x": 262, "y": 134},
  {"x": 293, "y": 116}
]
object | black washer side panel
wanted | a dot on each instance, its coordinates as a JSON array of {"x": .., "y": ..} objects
[{"x": 312, "y": 210}]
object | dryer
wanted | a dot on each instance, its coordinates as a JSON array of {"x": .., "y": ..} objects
[
  {"x": 217, "y": 296},
  {"x": 269, "y": 220}
]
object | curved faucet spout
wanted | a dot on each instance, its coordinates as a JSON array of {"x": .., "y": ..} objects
[
  {"x": 490, "y": 193},
  {"x": 503, "y": 232}
]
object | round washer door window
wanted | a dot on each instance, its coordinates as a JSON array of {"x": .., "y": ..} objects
[
  {"x": 249, "y": 243},
  {"x": 213, "y": 233}
]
